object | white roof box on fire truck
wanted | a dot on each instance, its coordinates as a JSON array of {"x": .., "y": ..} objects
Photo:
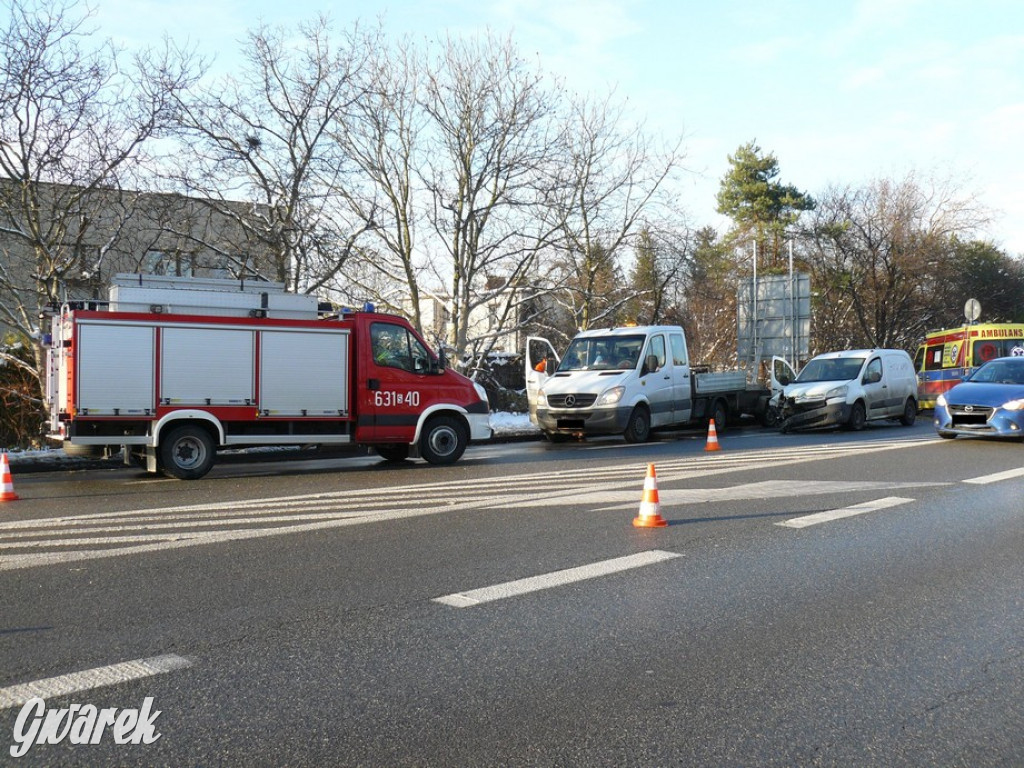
[{"x": 208, "y": 296}]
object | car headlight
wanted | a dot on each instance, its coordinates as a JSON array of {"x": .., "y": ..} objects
[
  {"x": 941, "y": 400},
  {"x": 480, "y": 391},
  {"x": 1014, "y": 405},
  {"x": 837, "y": 392},
  {"x": 611, "y": 397}
]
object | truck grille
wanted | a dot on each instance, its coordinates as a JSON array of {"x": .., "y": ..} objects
[
  {"x": 969, "y": 415},
  {"x": 584, "y": 400}
]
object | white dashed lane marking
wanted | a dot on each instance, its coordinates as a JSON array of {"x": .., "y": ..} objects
[
  {"x": 76, "y": 682},
  {"x": 838, "y": 514},
  {"x": 554, "y": 579},
  {"x": 997, "y": 477}
]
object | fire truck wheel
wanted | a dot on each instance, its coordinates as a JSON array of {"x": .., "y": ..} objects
[
  {"x": 186, "y": 453},
  {"x": 443, "y": 440},
  {"x": 396, "y": 452}
]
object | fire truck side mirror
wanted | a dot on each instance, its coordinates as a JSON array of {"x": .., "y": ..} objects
[{"x": 440, "y": 363}]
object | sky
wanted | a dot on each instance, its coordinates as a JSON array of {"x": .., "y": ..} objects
[{"x": 841, "y": 92}]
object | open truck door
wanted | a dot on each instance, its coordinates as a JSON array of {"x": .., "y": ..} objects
[
  {"x": 781, "y": 374},
  {"x": 540, "y": 361}
]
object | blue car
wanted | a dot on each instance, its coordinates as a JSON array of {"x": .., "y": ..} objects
[{"x": 988, "y": 403}]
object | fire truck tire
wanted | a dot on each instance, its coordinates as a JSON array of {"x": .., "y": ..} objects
[
  {"x": 444, "y": 440},
  {"x": 186, "y": 452},
  {"x": 909, "y": 413},
  {"x": 394, "y": 452}
]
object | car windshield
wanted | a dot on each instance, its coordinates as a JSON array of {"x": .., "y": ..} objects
[
  {"x": 830, "y": 369},
  {"x": 1000, "y": 372},
  {"x": 602, "y": 353}
]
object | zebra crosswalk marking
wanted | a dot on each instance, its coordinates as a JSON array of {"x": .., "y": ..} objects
[{"x": 31, "y": 543}]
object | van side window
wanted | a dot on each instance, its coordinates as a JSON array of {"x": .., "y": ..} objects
[
  {"x": 656, "y": 349},
  {"x": 875, "y": 366},
  {"x": 678, "y": 349}
]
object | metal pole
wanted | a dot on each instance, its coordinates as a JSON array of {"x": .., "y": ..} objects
[
  {"x": 792, "y": 309},
  {"x": 753, "y": 351}
]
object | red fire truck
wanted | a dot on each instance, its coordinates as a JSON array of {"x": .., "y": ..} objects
[{"x": 173, "y": 369}]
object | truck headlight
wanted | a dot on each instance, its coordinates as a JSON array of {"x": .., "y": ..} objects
[
  {"x": 542, "y": 399},
  {"x": 837, "y": 392},
  {"x": 611, "y": 397},
  {"x": 480, "y": 391}
]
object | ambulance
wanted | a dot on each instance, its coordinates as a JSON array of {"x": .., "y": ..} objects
[{"x": 947, "y": 356}]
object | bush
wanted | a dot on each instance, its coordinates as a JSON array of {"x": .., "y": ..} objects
[
  {"x": 503, "y": 378},
  {"x": 22, "y": 414}
]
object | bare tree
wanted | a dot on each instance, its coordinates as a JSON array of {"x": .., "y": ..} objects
[
  {"x": 706, "y": 300},
  {"x": 875, "y": 254},
  {"x": 381, "y": 137},
  {"x": 610, "y": 187},
  {"x": 74, "y": 119},
  {"x": 265, "y": 137},
  {"x": 485, "y": 156}
]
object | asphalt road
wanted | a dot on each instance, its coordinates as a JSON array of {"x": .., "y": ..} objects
[{"x": 829, "y": 599}]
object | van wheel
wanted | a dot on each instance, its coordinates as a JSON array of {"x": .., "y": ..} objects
[
  {"x": 638, "y": 430},
  {"x": 858, "y": 417},
  {"x": 443, "y": 440},
  {"x": 909, "y": 413},
  {"x": 186, "y": 453}
]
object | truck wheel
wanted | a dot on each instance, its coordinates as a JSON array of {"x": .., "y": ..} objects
[
  {"x": 858, "y": 417},
  {"x": 186, "y": 453},
  {"x": 720, "y": 415},
  {"x": 393, "y": 452},
  {"x": 909, "y": 413},
  {"x": 443, "y": 440},
  {"x": 638, "y": 430}
]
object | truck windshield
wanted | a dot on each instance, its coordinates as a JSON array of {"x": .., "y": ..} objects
[
  {"x": 831, "y": 369},
  {"x": 602, "y": 353}
]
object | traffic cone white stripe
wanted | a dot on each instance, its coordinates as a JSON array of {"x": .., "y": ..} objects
[
  {"x": 6, "y": 482},
  {"x": 712, "y": 444},
  {"x": 650, "y": 506}
]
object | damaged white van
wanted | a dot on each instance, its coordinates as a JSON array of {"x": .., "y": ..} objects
[{"x": 849, "y": 389}]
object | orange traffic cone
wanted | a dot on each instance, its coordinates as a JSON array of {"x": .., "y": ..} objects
[
  {"x": 7, "y": 490},
  {"x": 712, "y": 438},
  {"x": 650, "y": 514}
]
